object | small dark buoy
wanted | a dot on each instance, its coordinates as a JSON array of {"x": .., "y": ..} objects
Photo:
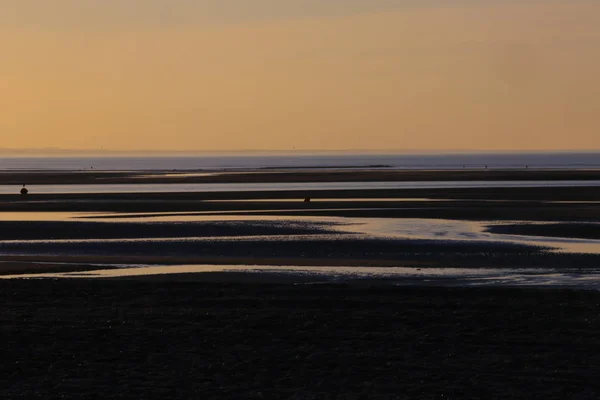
[
  {"x": 307, "y": 200},
  {"x": 24, "y": 191}
]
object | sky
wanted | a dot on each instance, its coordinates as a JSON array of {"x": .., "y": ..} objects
[{"x": 201, "y": 75}]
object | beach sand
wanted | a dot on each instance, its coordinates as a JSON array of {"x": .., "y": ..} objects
[{"x": 159, "y": 339}]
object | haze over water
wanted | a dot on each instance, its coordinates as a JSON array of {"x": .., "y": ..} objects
[{"x": 217, "y": 161}]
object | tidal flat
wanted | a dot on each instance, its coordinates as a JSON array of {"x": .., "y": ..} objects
[{"x": 357, "y": 294}]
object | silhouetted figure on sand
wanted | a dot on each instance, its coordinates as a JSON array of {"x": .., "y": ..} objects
[
  {"x": 24, "y": 191},
  {"x": 307, "y": 200}
]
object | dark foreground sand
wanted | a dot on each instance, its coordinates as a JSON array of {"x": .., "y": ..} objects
[{"x": 159, "y": 340}]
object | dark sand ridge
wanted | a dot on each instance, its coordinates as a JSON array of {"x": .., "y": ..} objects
[
  {"x": 585, "y": 193},
  {"x": 35, "y": 265},
  {"x": 157, "y": 339},
  {"x": 302, "y": 247},
  {"x": 487, "y": 205},
  {"x": 557, "y": 230},
  {"x": 82, "y": 230},
  {"x": 22, "y": 264},
  {"x": 264, "y": 176}
]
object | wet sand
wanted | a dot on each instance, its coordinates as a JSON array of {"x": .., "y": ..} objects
[
  {"x": 159, "y": 339},
  {"x": 100, "y": 238}
]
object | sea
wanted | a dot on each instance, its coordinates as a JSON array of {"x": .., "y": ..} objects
[
  {"x": 229, "y": 161},
  {"x": 215, "y": 162}
]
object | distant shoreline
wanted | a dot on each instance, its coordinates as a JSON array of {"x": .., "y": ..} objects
[
  {"x": 113, "y": 152},
  {"x": 240, "y": 161}
]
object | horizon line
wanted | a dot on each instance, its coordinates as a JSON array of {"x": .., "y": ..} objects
[{"x": 288, "y": 151}]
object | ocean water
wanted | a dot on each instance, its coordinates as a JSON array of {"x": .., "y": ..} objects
[{"x": 216, "y": 161}]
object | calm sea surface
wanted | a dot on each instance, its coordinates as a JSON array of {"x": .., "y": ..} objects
[{"x": 293, "y": 160}]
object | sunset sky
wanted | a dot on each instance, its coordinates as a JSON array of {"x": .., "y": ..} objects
[{"x": 305, "y": 74}]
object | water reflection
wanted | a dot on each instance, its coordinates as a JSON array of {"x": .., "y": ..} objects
[
  {"x": 453, "y": 230},
  {"x": 45, "y": 216},
  {"x": 338, "y": 200}
]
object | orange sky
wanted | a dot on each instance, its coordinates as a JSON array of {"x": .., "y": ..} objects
[{"x": 461, "y": 75}]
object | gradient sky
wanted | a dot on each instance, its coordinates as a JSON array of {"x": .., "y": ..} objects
[{"x": 305, "y": 74}]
